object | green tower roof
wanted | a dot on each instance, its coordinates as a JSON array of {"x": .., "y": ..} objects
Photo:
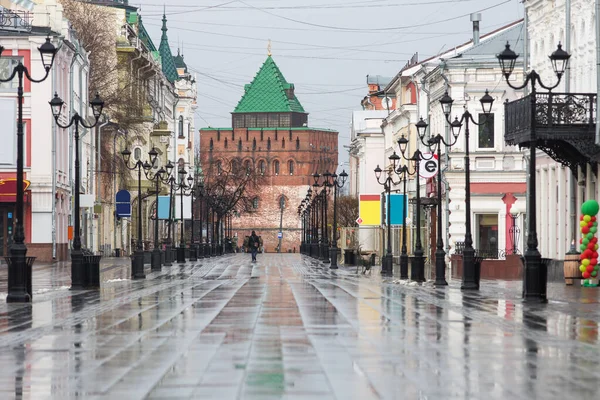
[
  {"x": 168, "y": 65},
  {"x": 179, "y": 62},
  {"x": 268, "y": 92},
  {"x": 143, "y": 35}
]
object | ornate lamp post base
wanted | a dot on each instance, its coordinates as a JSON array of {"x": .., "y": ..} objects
[
  {"x": 137, "y": 265},
  {"x": 155, "y": 262},
  {"x": 404, "y": 266},
  {"x": 417, "y": 267},
  {"x": 333, "y": 255},
  {"x": 440, "y": 268},
  {"x": 534, "y": 290},
  {"x": 194, "y": 252},
  {"x": 181, "y": 255},
  {"x": 469, "y": 282},
  {"x": 76, "y": 270},
  {"x": 387, "y": 264},
  {"x": 17, "y": 292}
]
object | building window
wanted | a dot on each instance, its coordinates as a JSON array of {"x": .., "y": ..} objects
[
  {"x": 247, "y": 135},
  {"x": 238, "y": 121},
  {"x": 275, "y": 134},
  {"x": 269, "y": 144},
  {"x": 291, "y": 167},
  {"x": 137, "y": 154},
  {"x": 261, "y": 120},
  {"x": 297, "y": 143},
  {"x": 247, "y": 167},
  {"x": 181, "y": 134},
  {"x": 276, "y": 167},
  {"x": 283, "y": 143},
  {"x": 232, "y": 135},
  {"x": 487, "y": 235},
  {"x": 262, "y": 167},
  {"x": 290, "y": 135},
  {"x": 285, "y": 120},
  {"x": 261, "y": 135},
  {"x": 240, "y": 145},
  {"x": 254, "y": 144},
  {"x": 486, "y": 131},
  {"x": 225, "y": 143},
  {"x": 219, "y": 167},
  {"x": 251, "y": 121},
  {"x": 255, "y": 203},
  {"x": 218, "y": 136},
  {"x": 211, "y": 146},
  {"x": 273, "y": 120},
  {"x": 7, "y": 66}
]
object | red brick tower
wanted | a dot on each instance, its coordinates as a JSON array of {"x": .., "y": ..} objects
[{"x": 270, "y": 130}]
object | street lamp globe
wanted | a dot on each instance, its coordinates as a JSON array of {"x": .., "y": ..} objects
[
  {"x": 97, "y": 106},
  {"x": 402, "y": 143},
  {"x": 378, "y": 172},
  {"x": 456, "y": 126},
  {"x": 421, "y": 127},
  {"x": 153, "y": 155},
  {"x": 446, "y": 102},
  {"x": 126, "y": 154},
  {"x": 560, "y": 60},
  {"x": 487, "y": 102},
  {"x": 344, "y": 176},
  {"x": 47, "y": 51},
  {"x": 507, "y": 60},
  {"x": 56, "y": 104}
]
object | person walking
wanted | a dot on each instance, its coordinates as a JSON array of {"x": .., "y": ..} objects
[{"x": 253, "y": 243}]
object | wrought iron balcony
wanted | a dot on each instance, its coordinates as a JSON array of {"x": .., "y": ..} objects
[
  {"x": 562, "y": 124},
  {"x": 15, "y": 20}
]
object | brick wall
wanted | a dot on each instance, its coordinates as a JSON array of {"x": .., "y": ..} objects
[{"x": 308, "y": 149}]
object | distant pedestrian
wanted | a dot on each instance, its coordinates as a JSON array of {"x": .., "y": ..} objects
[{"x": 253, "y": 243}]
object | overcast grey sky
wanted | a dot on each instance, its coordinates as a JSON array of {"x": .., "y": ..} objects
[{"x": 325, "y": 47}]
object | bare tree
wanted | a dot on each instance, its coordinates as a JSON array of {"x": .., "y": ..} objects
[{"x": 347, "y": 211}]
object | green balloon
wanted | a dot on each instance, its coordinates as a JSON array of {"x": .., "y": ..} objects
[
  {"x": 594, "y": 273},
  {"x": 589, "y": 236},
  {"x": 590, "y": 207},
  {"x": 586, "y": 242},
  {"x": 583, "y": 247},
  {"x": 595, "y": 223},
  {"x": 593, "y": 229}
]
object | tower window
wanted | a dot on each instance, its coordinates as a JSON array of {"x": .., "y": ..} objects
[
  {"x": 276, "y": 167},
  {"x": 291, "y": 167}
]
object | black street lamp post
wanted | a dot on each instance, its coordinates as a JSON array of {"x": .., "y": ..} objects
[
  {"x": 514, "y": 230},
  {"x": 417, "y": 268},
  {"x": 533, "y": 287},
  {"x": 337, "y": 182},
  {"x": 469, "y": 281},
  {"x": 323, "y": 244},
  {"x": 435, "y": 144},
  {"x": 18, "y": 279},
  {"x": 162, "y": 176},
  {"x": 195, "y": 190},
  {"x": 137, "y": 266},
  {"x": 403, "y": 174},
  {"x": 387, "y": 262},
  {"x": 169, "y": 247},
  {"x": 184, "y": 190},
  {"x": 56, "y": 104}
]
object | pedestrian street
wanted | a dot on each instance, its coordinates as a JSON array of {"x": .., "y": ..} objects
[{"x": 288, "y": 327}]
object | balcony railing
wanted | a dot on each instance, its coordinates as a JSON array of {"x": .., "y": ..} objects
[
  {"x": 15, "y": 20},
  {"x": 558, "y": 116}
]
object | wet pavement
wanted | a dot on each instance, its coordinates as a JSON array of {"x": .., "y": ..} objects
[{"x": 289, "y": 328}]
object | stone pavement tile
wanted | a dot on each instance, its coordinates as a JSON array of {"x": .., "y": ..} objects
[{"x": 224, "y": 392}]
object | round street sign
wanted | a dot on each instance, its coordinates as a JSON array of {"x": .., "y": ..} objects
[
  {"x": 359, "y": 220},
  {"x": 428, "y": 168}
]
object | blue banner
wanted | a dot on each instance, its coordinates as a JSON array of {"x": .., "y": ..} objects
[
  {"x": 398, "y": 204},
  {"x": 163, "y": 207},
  {"x": 123, "y": 204}
]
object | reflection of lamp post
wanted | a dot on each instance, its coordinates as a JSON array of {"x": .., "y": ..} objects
[
  {"x": 17, "y": 279},
  {"x": 137, "y": 266},
  {"x": 97, "y": 105},
  {"x": 337, "y": 182},
  {"x": 514, "y": 230},
  {"x": 435, "y": 143},
  {"x": 468, "y": 282},
  {"x": 387, "y": 263},
  {"x": 532, "y": 285}
]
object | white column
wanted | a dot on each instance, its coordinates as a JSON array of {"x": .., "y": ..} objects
[
  {"x": 562, "y": 244},
  {"x": 542, "y": 228},
  {"x": 551, "y": 212}
]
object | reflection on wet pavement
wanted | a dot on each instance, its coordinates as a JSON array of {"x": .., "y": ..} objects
[{"x": 287, "y": 327}]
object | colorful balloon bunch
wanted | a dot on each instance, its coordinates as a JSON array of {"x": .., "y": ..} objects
[{"x": 588, "y": 242}]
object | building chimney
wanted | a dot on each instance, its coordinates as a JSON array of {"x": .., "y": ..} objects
[{"x": 475, "y": 18}]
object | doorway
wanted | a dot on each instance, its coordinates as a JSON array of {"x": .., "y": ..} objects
[{"x": 6, "y": 228}]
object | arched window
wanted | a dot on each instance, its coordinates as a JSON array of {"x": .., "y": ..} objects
[
  {"x": 247, "y": 167},
  {"x": 254, "y": 144},
  {"x": 211, "y": 146},
  {"x": 297, "y": 143},
  {"x": 181, "y": 135},
  {"x": 262, "y": 167},
  {"x": 269, "y": 144},
  {"x": 218, "y": 136},
  {"x": 240, "y": 145},
  {"x": 255, "y": 203},
  {"x": 276, "y": 167},
  {"x": 291, "y": 167},
  {"x": 225, "y": 143},
  {"x": 180, "y": 164},
  {"x": 219, "y": 167},
  {"x": 137, "y": 154},
  {"x": 283, "y": 143}
]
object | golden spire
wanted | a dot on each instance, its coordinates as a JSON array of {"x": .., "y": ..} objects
[{"x": 269, "y": 48}]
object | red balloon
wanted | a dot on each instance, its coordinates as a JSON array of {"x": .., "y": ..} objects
[
  {"x": 593, "y": 261},
  {"x": 585, "y": 230},
  {"x": 586, "y": 275},
  {"x": 587, "y": 253},
  {"x": 593, "y": 219},
  {"x": 591, "y": 246},
  {"x": 595, "y": 240},
  {"x": 580, "y": 241},
  {"x": 590, "y": 268},
  {"x": 594, "y": 254},
  {"x": 590, "y": 224}
]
